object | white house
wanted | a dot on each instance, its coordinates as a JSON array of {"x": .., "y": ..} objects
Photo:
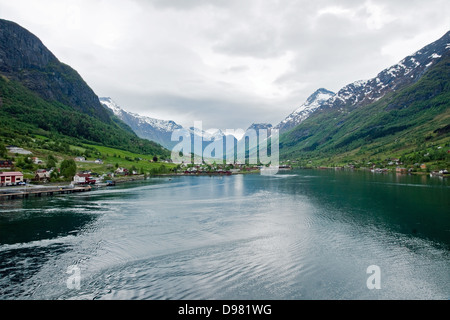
[
  {"x": 81, "y": 178},
  {"x": 80, "y": 159}
]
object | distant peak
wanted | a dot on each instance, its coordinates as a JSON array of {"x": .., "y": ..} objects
[
  {"x": 112, "y": 105},
  {"x": 323, "y": 90},
  {"x": 320, "y": 95}
]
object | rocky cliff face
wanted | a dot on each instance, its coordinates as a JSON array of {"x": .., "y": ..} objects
[
  {"x": 24, "y": 57},
  {"x": 20, "y": 50}
]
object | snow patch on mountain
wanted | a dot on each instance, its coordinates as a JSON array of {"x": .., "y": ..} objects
[
  {"x": 407, "y": 71},
  {"x": 305, "y": 110},
  {"x": 363, "y": 92},
  {"x": 110, "y": 104},
  {"x": 161, "y": 125},
  {"x": 149, "y": 128}
]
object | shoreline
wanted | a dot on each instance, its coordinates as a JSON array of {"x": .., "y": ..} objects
[
  {"x": 23, "y": 192},
  {"x": 365, "y": 169}
]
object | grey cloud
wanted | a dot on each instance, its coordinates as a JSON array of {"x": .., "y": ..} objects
[
  {"x": 184, "y": 4},
  {"x": 187, "y": 59},
  {"x": 236, "y": 69},
  {"x": 328, "y": 50},
  {"x": 255, "y": 42},
  {"x": 220, "y": 112}
]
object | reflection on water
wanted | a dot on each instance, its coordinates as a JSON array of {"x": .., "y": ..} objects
[{"x": 300, "y": 235}]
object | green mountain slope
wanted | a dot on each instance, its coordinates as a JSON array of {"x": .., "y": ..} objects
[
  {"x": 24, "y": 112},
  {"x": 404, "y": 123},
  {"x": 40, "y": 95}
]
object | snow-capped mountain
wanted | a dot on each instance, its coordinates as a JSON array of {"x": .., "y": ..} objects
[
  {"x": 208, "y": 135},
  {"x": 406, "y": 72},
  {"x": 304, "y": 111},
  {"x": 152, "y": 129},
  {"x": 406, "y": 102},
  {"x": 363, "y": 92},
  {"x": 110, "y": 104},
  {"x": 158, "y": 130}
]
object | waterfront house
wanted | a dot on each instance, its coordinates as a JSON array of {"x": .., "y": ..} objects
[
  {"x": 80, "y": 178},
  {"x": 42, "y": 175},
  {"x": 10, "y": 178},
  {"x": 119, "y": 170},
  {"x": 122, "y": 171},
  {"x": 83, "y": 178}
]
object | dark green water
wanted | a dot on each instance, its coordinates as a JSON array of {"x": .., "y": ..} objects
[{"x": 299, "y": 235}]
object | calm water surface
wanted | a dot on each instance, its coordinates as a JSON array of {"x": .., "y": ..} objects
[{"x": 299, "y": 235}]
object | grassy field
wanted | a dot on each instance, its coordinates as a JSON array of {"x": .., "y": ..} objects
[
  {"x": 120, "y": 158},
  {"x": 111, "y": 157}
]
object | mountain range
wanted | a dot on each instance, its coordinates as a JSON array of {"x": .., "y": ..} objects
[
  {"x": 152, "y": 129},
  {"x": 161, "y": 131},
  {"x": 363, "y": 115},
  {"x": 403, "y": 111}
]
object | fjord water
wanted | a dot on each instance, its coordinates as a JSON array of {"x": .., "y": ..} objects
[{"x": 305, "y": 234}]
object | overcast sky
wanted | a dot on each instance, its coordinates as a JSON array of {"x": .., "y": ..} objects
[{"x": 228, "y": 63}]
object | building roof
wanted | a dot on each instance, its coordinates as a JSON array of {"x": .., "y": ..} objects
[
  {"x": 11, "y": 174},
  {"x": 43, "y": 174},
  {"x": 83, "y": 175}
]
